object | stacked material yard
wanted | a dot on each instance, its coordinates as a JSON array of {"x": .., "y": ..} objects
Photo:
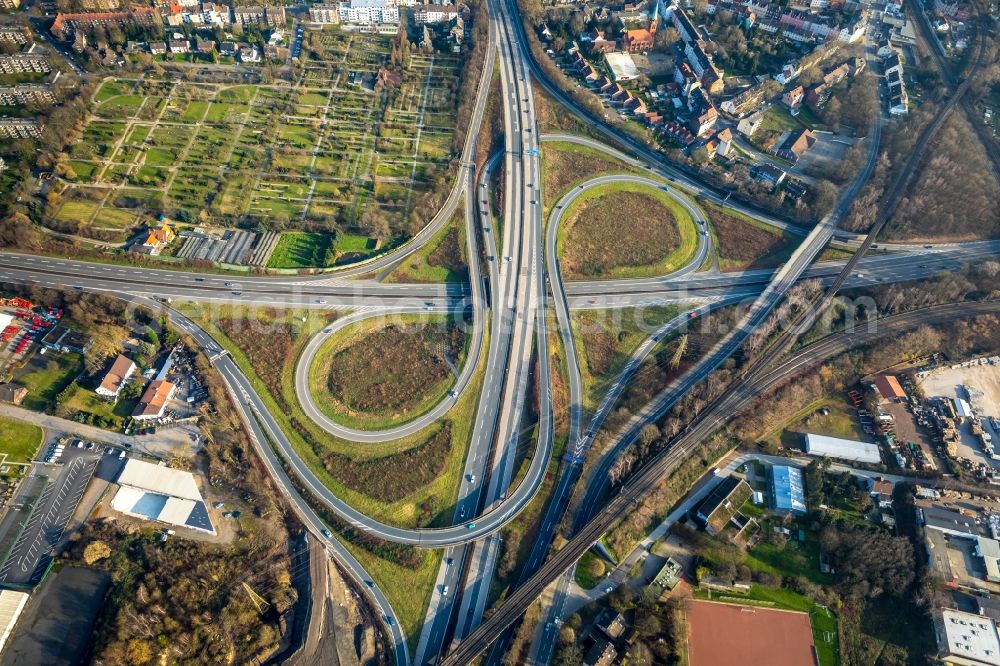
[
  {"x": 231, "y": 248},
  {"x": 266, "y": 243}
]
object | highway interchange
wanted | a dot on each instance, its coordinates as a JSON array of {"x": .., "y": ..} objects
[{"x": 508, "y": 331}]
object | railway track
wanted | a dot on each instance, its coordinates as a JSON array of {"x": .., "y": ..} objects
[
  {"x": 653, "y": 472},
  {"x": 756, "y": 379}
]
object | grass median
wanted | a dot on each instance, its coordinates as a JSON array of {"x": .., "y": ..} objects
[
  {"x": 606, "y": 340},
  {"x": 442, "y": 259},
  {"x": 566, "y": 165}
]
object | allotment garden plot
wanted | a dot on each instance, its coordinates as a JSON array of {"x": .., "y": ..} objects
[{"x": 325, "y": 148}]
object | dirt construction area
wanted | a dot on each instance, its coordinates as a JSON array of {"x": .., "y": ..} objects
[{"x": 979, "y": 384}]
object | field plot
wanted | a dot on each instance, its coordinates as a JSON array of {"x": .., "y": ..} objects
[{"x": 321, "y": 151}]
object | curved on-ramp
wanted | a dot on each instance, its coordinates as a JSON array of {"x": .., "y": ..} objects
[
  {"x": 409, "y": 427},
  {"x": 558, "y": 290}
]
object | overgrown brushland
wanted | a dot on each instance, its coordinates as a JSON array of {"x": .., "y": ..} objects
[
  {"x": 566, "y": 165},
  {"x": 594, "y": 243},
  {"x": 393, "y": 371},
  {"x": 744, "y": 244}
]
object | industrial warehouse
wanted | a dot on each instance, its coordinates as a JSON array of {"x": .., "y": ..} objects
[{"x": 159, "y": 493}]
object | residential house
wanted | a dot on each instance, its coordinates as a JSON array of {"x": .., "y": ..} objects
[
  {"x": 216, "y": 15},
  {"x": 725, "y": 142},
  {"x": 79, "y": 42},
  {"x": 158, "y": 48},
  {"x": 250, "y": 16},
  {"x": 274, "y": 17},
  {"x": 598, "y": 42},
  {"x": 892, "y": 63},
  {"x": 611, "y": 623},
  {"x": 434, "y": 13},
  {"x": 768, "y": 173},
  {"x": 457, "y": 34},
  {"x": 686, "y": 80},
  {"x": 324, "y": 14},
  {"x": 157, "y": 238},
  {"x": 205, "y": 46},
  {"x": 65, "y": 24},
  {"x": 638, "y": 40},
  {"x": 115, "y": 377},
  {"x": 153, "y": 402},
  {"x": 179, "y": 46},
  {"x": 12, "y": 393},
  {"x": 881, "y": 492},
  {"x": 818, "y": 95},
  {"x": 746, "y": 102},
  {"x": 795, "y": 145},
  {"x": 747, "y": 126},
  {"x": 249, "y": 53},
  {"x": 602, "y": 653},
  {"x": 793, "y": 99},
  {"x": 228, "y": 49},
  {"x": 365, "y": 12}
]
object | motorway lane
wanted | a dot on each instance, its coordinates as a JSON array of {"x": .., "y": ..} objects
[
  {"x": 892, "y": 266},
  {"x": 194, "y": 284},
  {"x": 437, "y": 622},
  {"x": 530, "y": 318},
  {"x": 273, "y": 292}
]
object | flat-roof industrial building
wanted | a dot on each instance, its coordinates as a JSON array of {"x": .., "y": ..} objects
[
  {"x": 622, "y": 66},
  {"x": 788, "y": 492},
  {"x": 167, "y": 495},
  {"x": 967, "y": 639},
  {"x": 842, "y": 449}
]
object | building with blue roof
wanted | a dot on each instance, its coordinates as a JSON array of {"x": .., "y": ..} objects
[{"x": 787, "y": 489}]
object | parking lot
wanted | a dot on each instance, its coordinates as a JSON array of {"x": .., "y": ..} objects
[{"x": 44, "y": 507}]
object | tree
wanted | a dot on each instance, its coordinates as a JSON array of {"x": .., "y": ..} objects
[
  {"x": 139, "y": 652},
  {"x": 571, "y": 655},
  {"x": 96, "y": 551},
  {"x": 567, "y": 635},
  {"x": 649, "y": 626},
  {"x": 374, "y": 223},
  {"x": 665, "y": 39},
  {"x": 596, "y": 567}
]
